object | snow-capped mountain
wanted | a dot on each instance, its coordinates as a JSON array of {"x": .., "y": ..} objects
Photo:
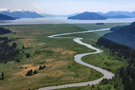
[
  {"x": 3, "y": 9},
  {"x": 20, "y": 13}
]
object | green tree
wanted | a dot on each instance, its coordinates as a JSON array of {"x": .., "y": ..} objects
[
  {"x": 14, "y": 45},
  {"x": 29, "y": 73},
  {"x": 2, "y": 76},
  {"x": 35, "y": 72}
]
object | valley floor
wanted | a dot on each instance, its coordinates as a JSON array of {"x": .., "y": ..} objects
[{"x": 57, "y": 55}]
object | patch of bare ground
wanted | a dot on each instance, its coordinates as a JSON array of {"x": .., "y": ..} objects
[
  {"x": 50, "y": 60},
  {"x": 41, "y": 44},
  {"x": 37, "y": 57},
  {"x": 57, "y": 64},
  {"x": 26, "y": 42},
  {"x": 26, "y": 68},
  {"x": 57, "y": 49},
  {"x": 68, "y": 78},
  {"x": 68, "y": 52},
  {"x": 63, "y": 52},
  {"x": 56, "y": 73}
]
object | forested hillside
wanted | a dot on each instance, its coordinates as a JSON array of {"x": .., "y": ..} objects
[
  {"x": 124, "y": 35},
  {"x": 7, "y": 52},
  {"x": 121, "y": 42},
  {"x": 5, "y": 17}
]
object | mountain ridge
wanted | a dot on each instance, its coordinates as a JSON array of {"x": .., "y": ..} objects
[
  {"x": 5, "y": 17},
  {"x": 21, "y": 14},
  {"x": 100, "y": 16},
  {"x": 88, "y": 16},
  {"x": 123, "y": 35}
]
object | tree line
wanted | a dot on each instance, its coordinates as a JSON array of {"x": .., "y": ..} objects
[{"x": 127, "y": 73}]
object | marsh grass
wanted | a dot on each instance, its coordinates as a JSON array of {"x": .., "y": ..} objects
[{"x": 56, "y": 54}]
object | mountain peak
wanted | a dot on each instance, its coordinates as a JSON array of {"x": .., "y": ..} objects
[
  {"x": 20, "y": 10},
  {"x": 4, "y": 9},
  {"x": 19, "y": 13},
  {"x": 89, "y": 12},
  {"x": 88, "y": 16},
  {"x": 17, "y": 10}
]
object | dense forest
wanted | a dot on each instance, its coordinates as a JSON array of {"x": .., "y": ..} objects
[
  {"x": 4, "y": 31},
  {"x": 7, "y": 52},
  {"x": 121, "y": 42}
]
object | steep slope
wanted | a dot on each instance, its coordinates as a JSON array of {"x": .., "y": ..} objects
[
  {"x": 22, "y": 14},
  {"x": 88, "y": 16},
  {"x": 124, "y": 35},
  {"x": 121, "y": 42},
  {"x": 5, "y": 17},
  {"x": 116, "y": 13},
  {"x": 118, "y": 16}
]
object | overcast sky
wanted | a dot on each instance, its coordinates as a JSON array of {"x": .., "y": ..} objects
[{"x": 69, "y": 6}]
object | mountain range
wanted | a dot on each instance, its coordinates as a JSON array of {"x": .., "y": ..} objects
[
  {"x": 88, "y": 16},
  {"x": 118, "y": 16},
  {"x": 11, "y": 15},
  {"x": 101, "y": 16},
  {"x": 116, "y": 13},
  {"x": 21, "y": 14}
]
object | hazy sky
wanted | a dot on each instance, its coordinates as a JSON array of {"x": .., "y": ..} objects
[{"x": 69, "y": 6}]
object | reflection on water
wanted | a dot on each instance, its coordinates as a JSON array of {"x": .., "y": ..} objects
[{"x": 62, "y": 20}]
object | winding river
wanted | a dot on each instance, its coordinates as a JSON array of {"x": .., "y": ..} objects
[{"x": 77, "y": 58}]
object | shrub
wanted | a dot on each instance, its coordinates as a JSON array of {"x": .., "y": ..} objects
[
  {"x": 17, "y": 61},
  {"x": 29, "y": 73},
  {"x": 35, "y": 72},
  {"x": 27, "y": 55},
  {"x": 42, "y": 67},
  {"x": 2, "y": 76}
]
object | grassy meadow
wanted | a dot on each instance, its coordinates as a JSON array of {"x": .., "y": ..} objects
[{"x": 56, "y": 54}]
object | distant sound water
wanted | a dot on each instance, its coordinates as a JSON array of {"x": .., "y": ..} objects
[{"x": 62, "y": 20}]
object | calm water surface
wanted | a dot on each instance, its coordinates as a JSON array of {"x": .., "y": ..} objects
[{"x": 61, "y": 20}]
